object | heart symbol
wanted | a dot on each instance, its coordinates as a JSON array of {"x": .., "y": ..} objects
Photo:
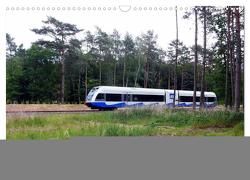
[{"x": 125, "y": 8}]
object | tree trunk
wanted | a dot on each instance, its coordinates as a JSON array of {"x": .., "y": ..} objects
[
  {"x": 176, "y": 57},
  {"x": 238, "y": 62},
  {"x": 242, "y": 82},
  {"x": 79, "y": 86},
  {"x": 146, "y": 73},
  {"x": 138, "y": 70},
  {"x": 202, "y": 96},
  {"x": 86, "y": 81},
  {"x": 63, "y": 72},
  {"x": 226, "y": 82},
  {"x": 159, "y": 80},
  {"x": 114, "y": 74},
  {"x": 182, "y": 78},
  {"x": 195, "y": 60},
  {"x": 124, "y": 72},
  {"x": 127, "y": 81},
  {"x": 63, "y": 80},
  {"x": 100, "y": 73},
  {"x": 169, "y": 78},
  {"x": 127, "y": 77},
  {"x": 228, "y": 55},
  {"x": 232, "y": 66}
]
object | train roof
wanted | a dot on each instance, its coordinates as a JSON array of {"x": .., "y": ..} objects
[
  {"x": 150, "y": 90},
  {"x": 129, "y": 88}
]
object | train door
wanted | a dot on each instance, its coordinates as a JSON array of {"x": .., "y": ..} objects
[
  {"x": 169, "y": 98},
  {"x": 127, "y": 98},
  {"x": 177, "y": 98}
]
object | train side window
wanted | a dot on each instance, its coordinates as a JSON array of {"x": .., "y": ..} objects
[
  {"x": 135, "y": 98},
  {"x": 210, "y": 99},
  {"x": 100, "y": 97},
  {"x": 148, "y": 98},
  {"x": 113, "y": 97},
  {"x": 158, "y": 98},
  {"x": 188, "y": 99},
  {"x": 127, "y": 97}
]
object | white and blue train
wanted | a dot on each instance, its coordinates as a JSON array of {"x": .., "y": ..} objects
[{"x": 112, "y": 97}]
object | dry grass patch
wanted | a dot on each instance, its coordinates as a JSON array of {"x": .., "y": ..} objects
[{"x": 45, "y": 107}]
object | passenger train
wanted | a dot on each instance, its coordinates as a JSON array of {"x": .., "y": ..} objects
[{"x": 112, "y": 97}]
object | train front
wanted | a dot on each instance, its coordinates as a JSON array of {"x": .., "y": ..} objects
[{"x": 90, "y": 99}]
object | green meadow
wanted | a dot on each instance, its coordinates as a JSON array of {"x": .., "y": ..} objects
[{"x": 127, "y": 122}]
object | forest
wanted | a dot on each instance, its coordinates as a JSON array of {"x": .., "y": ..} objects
[{"x": 60, "y": 68}]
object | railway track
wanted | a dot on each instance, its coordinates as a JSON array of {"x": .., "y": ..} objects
[{"x": 52, "y": 111}]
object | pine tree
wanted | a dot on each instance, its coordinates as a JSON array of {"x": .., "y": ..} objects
[{"x": 60, "y": 34}]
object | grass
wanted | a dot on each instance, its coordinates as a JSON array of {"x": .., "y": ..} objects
[
  {"x": 129, "y": 122},
  {"x": 45, "y": 107}
]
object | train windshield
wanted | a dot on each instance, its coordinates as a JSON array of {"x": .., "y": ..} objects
[{"x": 91, "y": 93}]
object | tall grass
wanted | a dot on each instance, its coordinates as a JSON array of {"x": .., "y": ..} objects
[
  {"x": 179, "y": 117},
  {"x": 132, "y": 115},
  {"x": 239, "y": 129},
  {"x": 217, "y": 119},
  {"x": 116, "y": 130},
  {"x": 129, "y": 122}
]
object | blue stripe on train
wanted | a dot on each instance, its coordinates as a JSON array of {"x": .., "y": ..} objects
[
  {"x": 116, "y": 105},
  {"x": 104, "y": 105},
  {"x": 135, "y": 105},
  {"x": 190, "y": 105},
  {"x": 123, "y": 104}
]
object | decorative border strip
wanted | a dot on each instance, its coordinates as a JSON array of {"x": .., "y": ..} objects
[{"x": 123, "y": 8}]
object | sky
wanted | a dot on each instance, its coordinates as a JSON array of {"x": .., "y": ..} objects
[{"x": 18, "y": 23}]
